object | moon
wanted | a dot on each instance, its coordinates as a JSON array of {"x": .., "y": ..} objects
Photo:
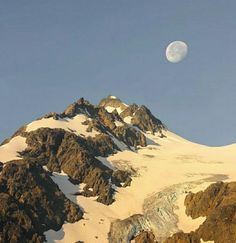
[{"x": 176, "y": 51}]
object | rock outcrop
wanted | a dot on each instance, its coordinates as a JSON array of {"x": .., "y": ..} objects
[
  {"x": 81, "y": 106},
  {"x": 112, "y": 101},
  {"x": 64, "y": 151},
  {"x": 31, "y": 203},
  {"x": 182, "y": 237},
  {"x": 123, "y": 231},
  {"x": 140, "y": 116},
  {"x": 218, "y": 204},
  {"x": 145, "y": 237},
  {"x": 143, "y": 119},
  {"x": 1, "y": 166},
  {"x": 130, "y": 136}
]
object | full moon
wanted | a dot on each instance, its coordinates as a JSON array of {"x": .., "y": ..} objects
[{"x": 176, "y": 51}]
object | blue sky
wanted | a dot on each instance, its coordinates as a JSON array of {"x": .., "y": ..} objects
[{"x": 53, "y": 52}]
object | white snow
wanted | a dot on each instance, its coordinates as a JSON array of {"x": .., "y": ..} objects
[
  {"x": 119, "y": 109},
  {"x": 171, "y": 161},
  {"x": 202, "y": 241},
  {"x": 110, "y": 109},
  {"x": 45, "y": 168},
  {"x": 121, "y": 145},
  {"x": 105, "y": 162},
  {"x": 69, "y": 124},
  {"x": 62, "y": 180},
  {"x": 10, "y": 151},
  {"x": 127, "y": 119},
  {"x": 119, "y": 124}
]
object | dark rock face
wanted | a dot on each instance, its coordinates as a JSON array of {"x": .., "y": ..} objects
[
  {"x": 220, "y": 226},
  {"x": 54, "y": 115},
  {"x": 60, "y": 150},
  {"x": 145, "y": 121},
  {"x": 130, "y": 136},
  {"x": 15, "y": 224},
  {"x": 201, "y": 203},
  {"x": 141, "y": 115},
  {"x": 145, "y": 237},
  {"x": 81, "y": 106},
  {"x": 106, "y": 118},
  {"x": 181, "y": 237},
  {"x": 31, "y": 203},
  {"x": 101, "y": 145},
  {"x": 1, "y": 166},
  {"x": 218, "y": 204},
  {"x": 129, "y": 111}
]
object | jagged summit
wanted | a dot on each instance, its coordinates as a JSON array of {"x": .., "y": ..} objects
[
  {"x": 112, "y": 103},
  {"x": 112, "y": 110},
  {"x": 81, "y": 106},
  {"x": 139, "y": 116}
]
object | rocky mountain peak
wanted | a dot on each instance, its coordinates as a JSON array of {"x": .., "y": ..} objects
[
  {"x": 112, "y": 102},
  {"x": 81, "y": 106},
  {"x": 139, "y": 116},
  {"x": 68, "y": 167}
]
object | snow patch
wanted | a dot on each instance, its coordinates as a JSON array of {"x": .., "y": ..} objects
[
  {"x": 202, "y": 241},
  {"x": 119, "y": 124},
  {"x": 110, "y": 109},
  {"x": 105, "y": 162},
  {"x": 69, "y": 189},
  {"x": 82, "y": 186},
  {"x": 119, "y": 109},
  {"x": 74, "y": 125},
  {"x": 10, "y": 151},
  {"x": 121, "y": 145},
  {"x": 45, "y": 168},
  {"x": 128, "y": 119}
]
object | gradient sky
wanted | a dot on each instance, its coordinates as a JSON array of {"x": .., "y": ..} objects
[{"x": 53, "y": 52}]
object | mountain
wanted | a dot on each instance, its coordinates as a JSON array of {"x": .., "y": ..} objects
[{"x": 113, "y": 172}]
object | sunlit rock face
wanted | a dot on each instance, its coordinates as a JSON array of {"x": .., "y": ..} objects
[
  {"x": 138, "y": 116},
  {"x": 31, "y": 203},
  {"x": 218, "y": 204}
]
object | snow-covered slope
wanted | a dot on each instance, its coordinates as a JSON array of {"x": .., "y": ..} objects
[
  {"x": 163, "y": 172},
  {"x": 167, "y": 170},
  {"x": 75, "y": 125},
  {"x": 10, "y": 150}
]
